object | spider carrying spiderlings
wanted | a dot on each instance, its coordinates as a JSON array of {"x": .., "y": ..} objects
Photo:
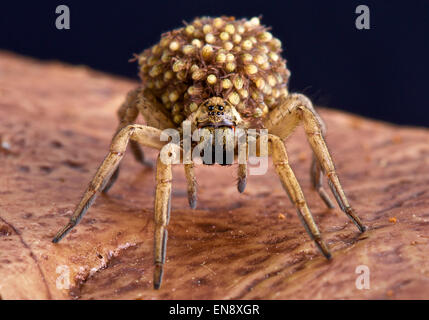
[{"x": 218, "y": 73}]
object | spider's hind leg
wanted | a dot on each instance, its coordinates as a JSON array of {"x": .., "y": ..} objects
[
  {"x": 316, "y": 172},
  {"x": 317, "y": 176}
]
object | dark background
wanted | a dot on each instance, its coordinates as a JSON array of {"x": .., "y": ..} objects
[{"x": 380, "y": 73}]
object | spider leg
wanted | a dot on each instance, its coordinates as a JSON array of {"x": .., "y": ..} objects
[
  {"x": 316, "y": 175},
  {"x": 192, "y": 184},
  {"x": 242, "y": 177},
  {"x": 145, "y": 135},
  {"x": 298, "y": 109},
  {"x": 138, "y": 154},
  {"x": 127, "y": 114},
  {"x": 316, "y": 172},
  {"x": 112, "y": 180},
  {"x": 282, "y": 122},
  {"x": 242, "y": 166},
  {"x": 293, "y": 189},
  {"x": 161, "y": 217}
]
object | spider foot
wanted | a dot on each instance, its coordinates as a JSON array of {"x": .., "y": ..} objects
[
  {"x": 241, "y": 185},
  {"x": 353, "y": 216},
  {"x": 192, "y": 199},
  {"x": 157, "y": 276},
  {"x": 63, "y": 232},
  {"x": 322, "y": 246}
]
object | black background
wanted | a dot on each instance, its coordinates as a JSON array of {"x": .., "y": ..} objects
[{"x": 380, "y": 73}]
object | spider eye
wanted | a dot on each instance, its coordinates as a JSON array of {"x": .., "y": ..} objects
[
  {"x": 211, "y": 108},
  {"x": 220, "y": 108}
]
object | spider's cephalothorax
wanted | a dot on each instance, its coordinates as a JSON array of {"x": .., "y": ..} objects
[
  {"x": 216, "y": 113},
  {"x": 219, "y": 118},
  {"x": 220, "y": 74}
]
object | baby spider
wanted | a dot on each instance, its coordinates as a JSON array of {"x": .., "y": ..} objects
[{"x": 218, "y": 74}]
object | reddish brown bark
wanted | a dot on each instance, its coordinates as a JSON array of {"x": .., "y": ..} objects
[{"x": 58, "y": 121}]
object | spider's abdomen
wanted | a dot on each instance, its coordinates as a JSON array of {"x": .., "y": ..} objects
[{"x": 238, "y": 60}]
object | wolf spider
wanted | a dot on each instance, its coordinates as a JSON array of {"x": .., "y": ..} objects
[{"x": 296, "y": 109}]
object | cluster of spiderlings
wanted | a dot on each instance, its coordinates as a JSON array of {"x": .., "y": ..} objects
[{"x": 238, "y": 60}]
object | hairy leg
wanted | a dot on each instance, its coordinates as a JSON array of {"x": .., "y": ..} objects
[
  {"x": 127, "y": 114},
  {"x": 192, "y": 184},
  {"x": 242, "y": 177},
  {"x": 316, "y": 174},
  {"x": 290, "y": 184},
  {"x": 144, "y": 135},
  {"x": 242, "y": 166},
  {"x": 283, "y": 120},
  {"x": 161, "y": 217},
  {"x": 316, "y": 171}
]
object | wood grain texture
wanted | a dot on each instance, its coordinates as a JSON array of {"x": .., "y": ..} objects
[{"x": 58, "y": 121}]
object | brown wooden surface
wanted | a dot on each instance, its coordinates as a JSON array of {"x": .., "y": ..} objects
[{"x": 58, "y": 121}]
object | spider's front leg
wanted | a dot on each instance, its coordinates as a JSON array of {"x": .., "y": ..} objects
[
  {"x": 161, "y": 217},
  {"x": 135, "y": 102},
  {"x": 242, "y": 164},
  {"x": 144, "y": 135},
  {"x": 192, "y": 184},
  {"x": 290, "y": 184},
  {"x": 284, "y": 119},
  {"x": 127, "y": 114},
  {"x": 242, "y": 177}
]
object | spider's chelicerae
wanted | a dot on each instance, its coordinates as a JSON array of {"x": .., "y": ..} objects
[{"x": 216, "y": 73}]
